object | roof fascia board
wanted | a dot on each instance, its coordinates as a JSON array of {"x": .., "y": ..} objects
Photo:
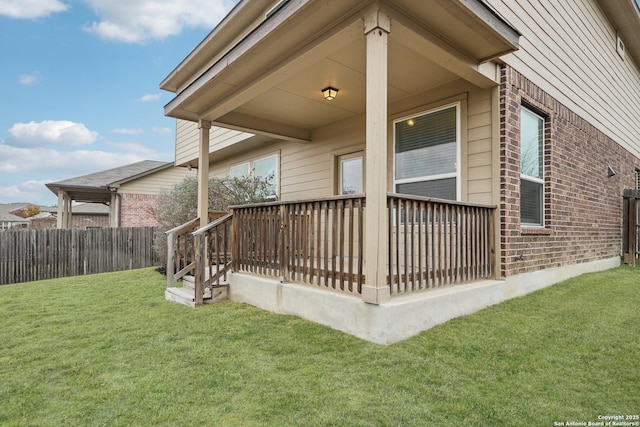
[
  {"x": 228, "y": 25},
  {"x": 237, "y": 51}
]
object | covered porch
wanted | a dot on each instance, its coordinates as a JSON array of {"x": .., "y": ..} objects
[
  {"x": 315, "y": 250},
  {"x": 390, "y": 61}
]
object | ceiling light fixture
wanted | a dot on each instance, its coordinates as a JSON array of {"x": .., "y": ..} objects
[{"x": 329, "y": 93}]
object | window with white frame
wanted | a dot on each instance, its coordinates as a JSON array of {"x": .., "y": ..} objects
[
  {"x": 267, "y": 168},
  {"x": 351, "y": 173},
  {"x": 531, "y": 168},
  {"x": 427, "y": 152},
  {"x": 240, "y": 171},
  {"x": 263, "y": 167}
]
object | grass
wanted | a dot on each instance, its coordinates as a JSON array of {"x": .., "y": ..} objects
[{"x": 108, "y": 350}]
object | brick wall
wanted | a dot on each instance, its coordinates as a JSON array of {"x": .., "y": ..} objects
[
  {"x": 136, "y": 210},
  {"x": 583, "y": 207}
]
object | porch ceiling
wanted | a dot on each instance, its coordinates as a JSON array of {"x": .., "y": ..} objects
[{"x": 270, "y": 82}]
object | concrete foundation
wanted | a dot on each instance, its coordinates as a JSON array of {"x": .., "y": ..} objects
[{"x": 405, "y": 315}]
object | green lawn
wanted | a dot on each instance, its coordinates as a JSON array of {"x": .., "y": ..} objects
[{"x": 108, "y": 350}]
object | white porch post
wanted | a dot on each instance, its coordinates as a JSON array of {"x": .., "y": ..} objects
[
  {"x": 376, "y": 290},
  {"x": 64, "y": 210},
  {"x": 114, "y": 210},
  {"x": 203, "y": 172}
]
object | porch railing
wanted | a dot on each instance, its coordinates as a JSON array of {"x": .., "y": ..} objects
[
  {"x": 319, "y": 242},
  {"x": 180, "y": 259},
  {"x": 181, "y": 249},
  {"x": 212, "y": 245},
  {"x": 438, "y": 242}
]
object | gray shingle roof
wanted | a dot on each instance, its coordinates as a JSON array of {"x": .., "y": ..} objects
[
  {"x": 96, "y": 187},
  {"x": 113, "y": 176}
]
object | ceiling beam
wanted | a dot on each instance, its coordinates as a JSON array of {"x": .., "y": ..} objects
[{"x": 256, "y": 125}]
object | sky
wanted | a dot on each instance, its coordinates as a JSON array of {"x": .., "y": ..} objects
[{"x": 79, "y": 85}]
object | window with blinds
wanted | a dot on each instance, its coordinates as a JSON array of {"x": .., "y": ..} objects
[
  {"x": 351, "y": 174},
  {"x": 426, "y": 154}
]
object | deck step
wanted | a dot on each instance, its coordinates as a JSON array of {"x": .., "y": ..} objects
[{"x": 186, "y": 296}]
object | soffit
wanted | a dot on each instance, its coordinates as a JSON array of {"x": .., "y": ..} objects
[
  {"x": 271, "y": 83},
  {"x": 625, "y": 17}
]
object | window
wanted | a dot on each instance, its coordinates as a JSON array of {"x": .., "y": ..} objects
[
  {"x": 264, "y": 167},
  {"x": 427, "y": 154},
  {"x": 239, "y": 171},
  {"x": 531, "y": 168},
  {"x": 351, "y": 179}
]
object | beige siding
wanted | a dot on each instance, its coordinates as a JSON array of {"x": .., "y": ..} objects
[
  {"x": 309, "y": 170},
  {"x": 568, "y": 48},
  {"x": 479, "y": 148},
  {"x": 187, "y": 140},
  {"x": 154, "y": 183}
]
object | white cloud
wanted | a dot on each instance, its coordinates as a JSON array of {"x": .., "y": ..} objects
[
  {"x": 128, "y": 131},
  {"x": 55, "y": 162},
  {"x": 133, "y": 147},
  {"x": 30, "y": 9},
  {"x": 150, "y": 97},
  {"x": 51, "y": 132},
  {"x": 30, "y": 191},
  {"x": 27, "y": 79},
  {"x": 139, "y": 21},
  {"x": 162, "y": 130},
  {"x": 24, "y": 169}
]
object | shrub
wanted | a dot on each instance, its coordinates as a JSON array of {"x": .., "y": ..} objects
[{"x": 178, "y": 205}]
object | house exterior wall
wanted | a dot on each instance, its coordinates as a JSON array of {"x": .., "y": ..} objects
[
  {"x": 582, "y": 205},
  {"x": 187, "y": 140},
  {"x": 568, "y": 48},
  {"x": 138, "y": 197},
  {"x": 136, "y": 210},
  {"x": 155, "y": 182},
  {"x": 309, "y": 170}
]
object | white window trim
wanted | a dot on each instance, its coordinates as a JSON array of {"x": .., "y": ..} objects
[
  {"x": 457, "y": 173},
  {"x": 250, "y": 169},
  {"x": 350, "y": 156},
  {"x": 276, "y": 177},
  {"x": 533, "y": 178}
]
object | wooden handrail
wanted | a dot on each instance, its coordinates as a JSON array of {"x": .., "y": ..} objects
[
  {"x": 211, "y": 225},
  {"x": 185, "y": 226},
  {"x": 211, "y": 245}
]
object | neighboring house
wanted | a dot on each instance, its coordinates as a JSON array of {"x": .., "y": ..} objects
[
  {"x": 129, "y": 191},
  {"x": 8, "y": 219},
  {"x": 84, "y": 215},
  {"x": 484, "y": 144}
]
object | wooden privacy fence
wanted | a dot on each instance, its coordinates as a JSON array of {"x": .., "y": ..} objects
[{"x": 29, "y": 255}]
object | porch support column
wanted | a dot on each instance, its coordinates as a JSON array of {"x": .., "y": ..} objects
[
  {"x": 376, "y": 290},
  {"x": 203, "y": 172},
  {"x": 114, "y": 210},
  {"x": 64, "y": 210}
]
